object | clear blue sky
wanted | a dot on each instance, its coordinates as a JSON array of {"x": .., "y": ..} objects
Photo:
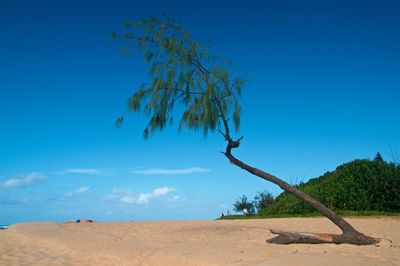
[{"x": 323, "y": 88}]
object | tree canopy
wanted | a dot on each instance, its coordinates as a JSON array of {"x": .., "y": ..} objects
[
  {"x": 182, "y": 72},
  {"x": 243, "y": 204}
]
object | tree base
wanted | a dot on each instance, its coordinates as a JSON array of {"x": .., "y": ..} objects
[{"x": 354, "y": 238}]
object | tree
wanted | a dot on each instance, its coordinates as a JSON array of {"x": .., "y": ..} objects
[
  {"x": 183, "y": 72},
  {"x": 244, "y": 205},
  {"x": 263, "y": 200},
  {"x": 378, "y": 157}
]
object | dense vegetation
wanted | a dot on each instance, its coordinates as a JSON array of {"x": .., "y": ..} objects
[{"x": 360, "y": 186}]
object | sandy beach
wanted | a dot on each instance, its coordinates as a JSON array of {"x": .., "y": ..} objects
[{"x": 239, "y": 242}]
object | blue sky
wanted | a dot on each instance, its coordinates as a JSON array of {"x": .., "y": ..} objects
[{"x": 323, "y": 88}]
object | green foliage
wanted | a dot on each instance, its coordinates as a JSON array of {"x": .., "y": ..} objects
[
  {"x": 267, "y": 214},
  {"x": 243, "y": 203},
  {"x": 119, "y": 121},
  {"x": 263, "y": 200},
  {"x": 378, "y": 157},
  {"x": 181, "y": 72},
  {"x": 358, "y": 186}
]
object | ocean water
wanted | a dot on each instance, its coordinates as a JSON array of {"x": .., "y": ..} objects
[{"x": 3, "y": 227}]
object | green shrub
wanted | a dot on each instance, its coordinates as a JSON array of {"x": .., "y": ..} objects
[{"x": 360, "y": 185}]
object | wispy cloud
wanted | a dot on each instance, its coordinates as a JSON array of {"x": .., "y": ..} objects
[
  {"x": 76, "y": 192},
  {"x": 128, "y": 197},
  {"x": 23, "y": 180},
  {"x": 157, "y": 171},
  {"x": 82, "y": 171},
  {"x": 176, "y": 198}
]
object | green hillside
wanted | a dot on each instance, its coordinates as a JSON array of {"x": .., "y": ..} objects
[{"x": 360, "y": 186}]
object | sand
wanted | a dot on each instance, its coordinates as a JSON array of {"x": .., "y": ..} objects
[{"x": 240, "y": 242}]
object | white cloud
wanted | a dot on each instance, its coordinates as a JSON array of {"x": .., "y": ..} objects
[
  {"x": 82, "y": 171},
  {"x": 81, "y": 190},
  {"x": 157, "y": 171},
  {"x": 77, "y": 191},
  {"x": 23, "y": 180},
  {"x": 177, "y": 198},
  {"x": 158, "y": 192},
  {"x": 128, "y": 197}
]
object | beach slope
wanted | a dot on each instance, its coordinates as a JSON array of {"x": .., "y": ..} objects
[{"x": 239, "y": 242}]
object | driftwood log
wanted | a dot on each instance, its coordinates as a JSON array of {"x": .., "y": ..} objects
[{"x": 287, "y": 237}]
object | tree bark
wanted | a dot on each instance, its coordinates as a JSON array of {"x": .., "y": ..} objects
[
  {"x": 349, "y": 235},
  {"x": 285, "y": 237}
]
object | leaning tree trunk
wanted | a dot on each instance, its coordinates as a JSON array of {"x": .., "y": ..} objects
[{"x": 349, "y": 234}]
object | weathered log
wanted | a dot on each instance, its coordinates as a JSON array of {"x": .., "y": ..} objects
[{"x": 287, "y": 237}]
